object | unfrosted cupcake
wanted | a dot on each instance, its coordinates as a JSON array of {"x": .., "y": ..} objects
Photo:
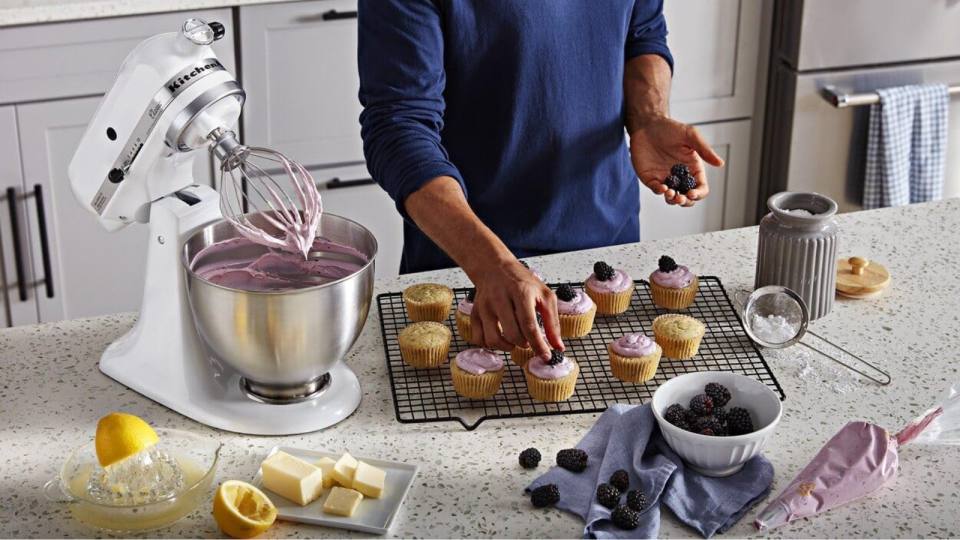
[
  {"x": 673, "y": 286},
  {"x": 576, "y": 310},
  {"x": 634, "y": 358},
  {"x": 462, "y": 316},
  {"x": 428, "y": 302},
  {"x": 551, "y": 380},
  {"x": 476, "y": 373},
  {"x": 610, "y": 288},
  {"x": 521, "y": 355},
  {"x": 424, "y": 344},
  {"x": 678, "y": 335},
  {"x": 535, "y": 271}
]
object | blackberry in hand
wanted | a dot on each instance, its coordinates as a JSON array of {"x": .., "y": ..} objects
[
  {"x": 608, "y": 495},
  {"x": 718, "y": 393},
  {"x": 686, "y": 184},
  {"x": 739, "y": 421},
  {"x": 472, "y": 294},
  {"x": 530, "y": 458},
  {"x": 701, "y": 405},
  {"x": 546, "y": 495},
  {"x": 679, "y": 170},
  {"x": 675, "y": 414},
  {"x": 556, "y": 357},
  {"x": 636, "y": 500},
  {"x": 603, "y": 271},
  {"x": 625, "y": 518},
  {"x": 525, "y": 264},
  {"x": 708, "y": 425},
  {"x": 672, "y": 182},
  {"x": 572, "y": 459},
  {"x": 667, "y": 264},
  {"x": 565, "y": 292},
  {"x": 621, "y": 480}
]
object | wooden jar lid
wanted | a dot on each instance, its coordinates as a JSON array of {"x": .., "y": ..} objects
[{"x": 859, "y": 278}]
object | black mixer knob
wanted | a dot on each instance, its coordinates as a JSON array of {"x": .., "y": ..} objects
[
  {"x": 218, "y": 30},
  {"x": 115, "y": 175}
]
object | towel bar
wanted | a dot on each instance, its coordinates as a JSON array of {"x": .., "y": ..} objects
[{"x": 842, "y": 100}]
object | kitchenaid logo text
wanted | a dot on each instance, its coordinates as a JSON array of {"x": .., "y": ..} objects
[{"x": 176, "y": 85}]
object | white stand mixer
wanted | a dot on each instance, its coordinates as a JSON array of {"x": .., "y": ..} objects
[{"x": 134, "y": 165}]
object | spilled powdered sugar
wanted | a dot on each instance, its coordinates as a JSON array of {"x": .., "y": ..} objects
[{"x": 814, "y": 370}]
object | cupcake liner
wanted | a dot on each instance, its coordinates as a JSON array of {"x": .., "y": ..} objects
[
  {"x": 611, "y": 303},
  {"x": 424, "y": 357},
  {"x": 427, "y": 311},
  {"x": 521, "y": 355},
  {"x": 473, "y": 386},
  {"x": 668, "y": 298},
  {"x": 573, "y": 326},
  {"x": 634, "y": 369},
  {"x": 464, "y": 327},
  {"x": 552, "y": 389},
  {"x": 676, "y": 348}
]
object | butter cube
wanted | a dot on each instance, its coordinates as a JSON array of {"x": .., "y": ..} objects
[
  {"x": 342, "y": 501},
  {"x": 292, "y": 478},
  {"x": 326, "y": 465},
  {"x": 369, "y": 480},
  {"x": 344, "y": 469}
]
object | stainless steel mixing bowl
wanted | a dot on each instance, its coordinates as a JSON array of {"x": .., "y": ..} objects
[{"x": 282, "y": 343}]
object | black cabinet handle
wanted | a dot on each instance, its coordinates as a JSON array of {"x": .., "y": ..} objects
[
  {"x": 334, "y": 15},
  {"x": 44, "y": 242},
  {"x": 18, "y": 259},
  {"x": 337, "y": 183}
]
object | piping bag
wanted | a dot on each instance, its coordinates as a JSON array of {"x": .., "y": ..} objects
[{"x": 857, "y": 461}]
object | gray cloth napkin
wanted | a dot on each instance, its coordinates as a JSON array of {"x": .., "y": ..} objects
[{"x": 628, "y": 437}]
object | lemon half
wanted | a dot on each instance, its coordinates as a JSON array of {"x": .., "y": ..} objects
[
  {"x": 241, "y": 510},
  {"x": 120, "y": 436}
]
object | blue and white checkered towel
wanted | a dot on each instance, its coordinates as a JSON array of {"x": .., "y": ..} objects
[
  {"x": 906, "y": 146},
  {"x": 628, "y": 437}
]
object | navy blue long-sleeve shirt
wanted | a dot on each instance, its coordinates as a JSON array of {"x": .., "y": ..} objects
[{"x": 521, "y": 101}]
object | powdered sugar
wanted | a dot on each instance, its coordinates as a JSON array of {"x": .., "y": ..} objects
[
  {"x": 800, "y": 212},
  {"x": 773, "y": 328}
]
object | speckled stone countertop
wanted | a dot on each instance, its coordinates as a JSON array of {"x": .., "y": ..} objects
[
  {"x": 19, "y": 12},
  {"x": 51, "y": 395}
]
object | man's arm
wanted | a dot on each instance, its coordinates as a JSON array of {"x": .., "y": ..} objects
[{"x": 402, "y": 79}]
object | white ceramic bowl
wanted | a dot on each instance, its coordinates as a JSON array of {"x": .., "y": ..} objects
[{"x": 718, "y": 456}]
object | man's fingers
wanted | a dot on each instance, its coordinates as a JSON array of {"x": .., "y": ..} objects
[
  {"x": 656, "y": 187},
  {"x": 551, "y": 321},
  {"x": 492, "y": 333},
  {"x": 527, "y": 317},
  {"x": 512, "y": 332},
  {"x": 700, "y": 145},
  {"x": 702, "y": 189}
]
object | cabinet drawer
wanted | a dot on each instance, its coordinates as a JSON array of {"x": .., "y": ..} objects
[
  {"x": 300, "y": 75},
  {"x": 82, "y": 58},
  {"x": 715, "y": 45}
]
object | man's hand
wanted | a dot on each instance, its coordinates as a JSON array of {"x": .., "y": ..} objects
[
  {"x": 504, "y": 311},
  {"x": 659, "y": 144}
]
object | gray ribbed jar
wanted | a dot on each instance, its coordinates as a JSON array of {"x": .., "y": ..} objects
[{"x": 800, "y": 252}]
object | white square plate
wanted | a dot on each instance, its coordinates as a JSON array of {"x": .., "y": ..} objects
[{"x": 372, "y": 516}]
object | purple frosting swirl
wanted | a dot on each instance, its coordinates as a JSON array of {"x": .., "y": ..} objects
[
  {"x": 618, "y": 283},
  {"x": 634, "y": 345},
  {"x": 465, "y": 306},
  {"x": 543, "y": 370},
  {"x": 581, "y": 303},
  {"x": 678, "y": 279},
  {"x": 479, "y": 361}
]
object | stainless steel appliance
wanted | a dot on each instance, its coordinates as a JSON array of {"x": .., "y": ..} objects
[{"x": 829, "y": 58}]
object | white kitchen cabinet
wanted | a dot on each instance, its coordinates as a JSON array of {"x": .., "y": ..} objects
[
  {"x": 299, "y": 69},
  {"x": 715, "y": 45},
  {"x": 726, "y": 205},
  {"x": 17, "y": 302}
]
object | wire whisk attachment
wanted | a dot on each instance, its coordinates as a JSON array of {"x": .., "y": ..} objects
[{"x": 246, "y": 171}]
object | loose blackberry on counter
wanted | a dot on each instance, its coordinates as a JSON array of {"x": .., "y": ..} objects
[
  {"x": 718, "y": 393},
  {"x": 565, "y": 292},
  {"x": 625, "y": 518},
  {"x": 603, "y": 270},
  {"x": 636, "y": 500},
  {"x": 608, "y": 495},
  {"x": 739, "y": 421},
  {"x": 572, "y": 459},
  {"x": 530, "y": 458},
  {"x": 701, "y": 405},
  {"x": 546, "y": 495},
  {"x": 620, "y": 479},
  {"x": 679, "y": 170}
]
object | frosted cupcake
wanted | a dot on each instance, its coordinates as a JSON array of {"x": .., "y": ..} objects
[
  {"x": 673, "y": 286},
  {"x": 428, "y": 302},
  {"x": 611, "y": 289},
  {"x": 678, "y": 335},
  {"x": 634, "y": 358},
  {"x": 576, "y": 310},
  {"x": 462, "y": 316},
  {"x": 551, "y": 380},
  {"x": 535, "y": 271},
  {"x": 521, "y": 355},
  {"x": 424, "y": 344},
  {"x": 476, "y": 373}
]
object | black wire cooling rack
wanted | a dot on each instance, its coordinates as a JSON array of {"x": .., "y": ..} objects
[{"x": 427, "y": 395}]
